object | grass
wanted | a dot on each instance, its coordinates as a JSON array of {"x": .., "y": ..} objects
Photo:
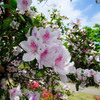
[{"x": 82, "y": 96}]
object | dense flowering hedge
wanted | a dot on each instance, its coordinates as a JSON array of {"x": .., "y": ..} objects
[
  {"x": 33, "y": 57},
  {"x": 85, "y": 56}
]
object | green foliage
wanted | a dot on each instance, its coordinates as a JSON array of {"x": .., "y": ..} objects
[
  {"x": 94, "y": 34},
  {"x": 7, "y": 6},
  {"x": 1, "y": 93},
  {"x": 65, "y": 44},
  {"x": 13, "y": 3},
  {"x": 80, "y": 45},
  {"x": 7, "y": 22}
]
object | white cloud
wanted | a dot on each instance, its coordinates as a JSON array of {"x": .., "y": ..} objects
[
  {"x": 96, "y": 17},
  {"x": 88, "y": 8},
  {"x": 94, "y": 20}
]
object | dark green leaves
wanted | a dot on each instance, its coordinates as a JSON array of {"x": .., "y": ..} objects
[
  {"x": 21, "y": 17},
  {"x": 7, "y": 21},
  {"x": 7, "y": 6},
  {"x": 13, "y": 3}
]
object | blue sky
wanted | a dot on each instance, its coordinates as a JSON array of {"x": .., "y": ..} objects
[
  {"x": 86, "y": 10},
  {"x": 88, "y": 7}
]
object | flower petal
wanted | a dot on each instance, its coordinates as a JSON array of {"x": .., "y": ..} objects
[
  {"x": 28, "y": 57},
  {"x": 63, "y": 78},
  {"x": 25, "y": 46}
]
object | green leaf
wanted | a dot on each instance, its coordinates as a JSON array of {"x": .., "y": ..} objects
[
  {"x": 7, "y": 6},
  {"x": 22, "y": 18},
  {"x": 1, "y": 93},
  {"x": 77, "y": 87},
  {"x": 65, "y": 44},
  {"x": 38, "y": 74},
  {"x": 13, "y": 3},
  {"x": 7, "y": 21}
]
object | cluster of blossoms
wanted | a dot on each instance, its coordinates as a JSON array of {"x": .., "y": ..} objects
[
  {"x": 81, "y": 47},
  {"x": 42, "y": 46},
  {"x": 86, "y": 77},
  {"x": 33, "y": 56},
  {"x": 84, "y": 74},
  {"x": 86, "y": 59},
  {"x": 45, "y": 46},
  {"x": 45, "y": 94}
]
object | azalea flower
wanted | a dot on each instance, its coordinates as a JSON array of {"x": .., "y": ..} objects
[
  {"x": 87, "y": 73},
  {"x": 11, "y": 69},
  {"x": 47, "y": 57},
  {"x": 48, "y": 35},
  {"x": 36, "y": 96},
  {"x": 47, "y": 95},
  {"x": 62, "y": 60},
  {"x": 33, "y": 47},
  {"x": 97, "y": 58},
  {"x": 64, "y": 97},
  {"x": 62, "y": 64},
  {"x": 34, "y": 32},
  {"x": 3, "y": 84},
  {"x": 23, "y": 4},
  {"x": 29, "y": 94},
  {"x": 34, "y": 85},
  {"x": 6, "y": 59},
  {"x": 97, "y": 77},
  {"x": 15, "y": 92},
  {"x": 66, "y": 87},
  {"x": 92, "y": 72}
]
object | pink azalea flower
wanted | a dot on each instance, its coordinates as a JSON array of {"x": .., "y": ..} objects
[
  {"x": 29, "y": 94},
  {"x": 97, "y": 58},
  {"x": 78, "y": 22},
  {"x": 87, "y": 73},
  {"x": 36, "y": 96},
  {"x": 97, "y": 77},
  {"x": 21, "y": 12},
  {"x": 3, "y": 84},
  {"x": 11, "y": 69},
  {"x": 6, "y": 59},
  {"x": 47, "y": 57},
  {"x": 62, "y": 58},
  {"x": 32, "y": 46},
  {"x": 16, "y": 63},
  {"x": 48, "y": 35},
  {"x": 23, "y": 4},
  {"x": 16, "y": 50},
  {"x": 15, "y": 92},
  {"x": 34, "y": 32},
  {"x": 62, "y": 64},
  {"x": 66, "y": 87},
  {"x": 92, "y": 72}
]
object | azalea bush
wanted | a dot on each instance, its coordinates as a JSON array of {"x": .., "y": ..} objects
[
  {"x": 85, "y": 56},
  {"x": 32, "y": 56}
]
